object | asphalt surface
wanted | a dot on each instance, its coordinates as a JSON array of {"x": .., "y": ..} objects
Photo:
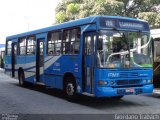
[{"x": 40, "y": 100}]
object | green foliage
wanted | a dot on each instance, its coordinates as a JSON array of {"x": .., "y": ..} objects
[
  {"x": 60, "y": 17},
  {"x": 157, "y": 21},
  {"x": 143, "y": 9},
  {"x": 111, "y": 7},
  {"x": 148, "y": 16},
  {"x": 72, "y": 10}
]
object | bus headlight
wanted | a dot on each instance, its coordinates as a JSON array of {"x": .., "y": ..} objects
[
  {"x": 102, "y": 82},
  {"x": 149, "y": 81},
  {"x": 144, "y": 81}
]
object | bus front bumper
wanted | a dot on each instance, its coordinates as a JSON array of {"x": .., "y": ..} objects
[{"x": 109, "y": 91}]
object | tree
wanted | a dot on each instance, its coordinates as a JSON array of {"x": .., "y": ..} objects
[
  {"x": 72, "y": 10},
  {"x": 157, "y": 21},
  {"x": 60, "y": 17},
  {"x": 150, "y": 17},
  {"x": 133, "y": 7},
  {"x": 143, "y": 9}
]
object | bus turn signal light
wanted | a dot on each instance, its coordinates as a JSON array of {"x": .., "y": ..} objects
[{"x": 102, "y": 82}]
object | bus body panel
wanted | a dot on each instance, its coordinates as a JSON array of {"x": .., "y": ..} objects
[
  {"x": 111, "y": 92},
  {"x": 8, "y": 65},
  {"x": 122, "y": 80},
  {"x": 30, "y": 68},
  {"x": 89, "y": 27},
  {"x": 56, "y": 66}
]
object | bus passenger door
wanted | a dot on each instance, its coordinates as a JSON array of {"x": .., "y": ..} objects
[
  {"x": 14, "y": 53},
  {"x": 39, "y": 60},
  {"x": 88, "y": 61}
]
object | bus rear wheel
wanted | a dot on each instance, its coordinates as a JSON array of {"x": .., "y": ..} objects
[{"x": 70, "y": 90}]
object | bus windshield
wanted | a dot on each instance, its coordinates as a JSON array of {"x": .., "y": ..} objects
[{"x": 123, "y": 49}]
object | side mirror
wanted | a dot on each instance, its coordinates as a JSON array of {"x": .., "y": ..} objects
[{"x": 100, "y": 44}]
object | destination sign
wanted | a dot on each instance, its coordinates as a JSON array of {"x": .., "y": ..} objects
[
  {"x": 107, "y": 22},
  {"x": 131, "y": 25},
  {"x": 110, "y": 23},
  {"x": 123, "y": 24}
]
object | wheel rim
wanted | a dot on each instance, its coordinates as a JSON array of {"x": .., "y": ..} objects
[{"x": 70, "y": 89}]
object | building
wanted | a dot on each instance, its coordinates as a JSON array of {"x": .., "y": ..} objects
[{"x": 2, "y": 51}]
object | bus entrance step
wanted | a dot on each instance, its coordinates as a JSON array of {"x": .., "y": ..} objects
[
  {"x": 88, "y": 94},
  {"x": 48, "y": 87},
  {"x": 39, "y": 83}
]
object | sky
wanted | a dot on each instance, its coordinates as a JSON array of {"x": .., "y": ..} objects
[{"x": 18, "y": 16}]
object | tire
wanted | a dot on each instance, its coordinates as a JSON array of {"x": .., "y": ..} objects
[
  {"x": 117, "y": 97},
  {"x": 70, "y": 90},
  {"x": 22, "y": 79}
]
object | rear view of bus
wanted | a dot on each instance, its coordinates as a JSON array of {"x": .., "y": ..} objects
[{"x": 124, "y": 58}]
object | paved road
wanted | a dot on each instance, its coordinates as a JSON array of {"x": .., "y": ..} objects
[{"x": 38, "y": 100}]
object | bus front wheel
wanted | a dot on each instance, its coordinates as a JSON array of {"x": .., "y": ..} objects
[
  {"x": 117, "y": 97},
  {"x": 22, "y": 79},
  {"x": 70, "y": 90}
]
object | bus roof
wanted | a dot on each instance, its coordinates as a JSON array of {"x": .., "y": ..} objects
[{"x": 72, "y": 23}]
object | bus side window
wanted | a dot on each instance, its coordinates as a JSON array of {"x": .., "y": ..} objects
[
  {"x": 66, "y": 42},
  {"x": 54, "y": 43},
  {"x": 9, "y": 43},
  {"x": 31, "y": 42},
  {"x": 75, "y": 40},
  {"x": 71, "y": 41},
  {"x": 22, "y": 46}
]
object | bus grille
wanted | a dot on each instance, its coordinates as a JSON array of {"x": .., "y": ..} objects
[
  {"x": 131, "y": 74},
  {"x": 128, "y": 82}
]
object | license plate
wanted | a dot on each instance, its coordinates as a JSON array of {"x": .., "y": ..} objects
[{"x": 129, "y": 90}]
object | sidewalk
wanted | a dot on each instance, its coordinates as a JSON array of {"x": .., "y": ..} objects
[{"x": 1, "y": 70}]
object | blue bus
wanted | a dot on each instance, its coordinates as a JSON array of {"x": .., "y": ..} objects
[{"x": 100, "y": 56}]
